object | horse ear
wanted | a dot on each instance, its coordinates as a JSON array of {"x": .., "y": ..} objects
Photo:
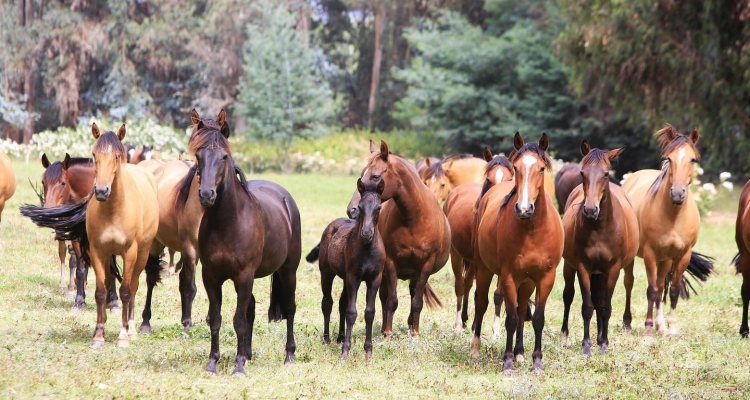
[
  {"x": 66, "y": 161},
  {"x": 373, "y": 147},
  {"x": 384, "y": 150},
  {"x": 517, "y": 141},
  {"x": 95, "y": 131},
  {"x": 381, "y": 187},
  {"x": 427, "y": 161},
  {"x": 487, "y": 155},
  {"x": 45, "y": 161},
  {"x": 360, "y": 186},
  {"x": 585, "y": 147},
  {"x": 221, "y": 118},
  {"x": 544, "y": 142},
  {"x": 225, "y": 130},
  {"x": 194, "y": 117},
  {"x": 695, "y": 135},
  {"x": 613, "y": 154},
  {"x": 512, "y": 153},
  {"x": 121, "y": 132}
]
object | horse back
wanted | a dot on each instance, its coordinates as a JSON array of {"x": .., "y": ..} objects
[
  {"x": 459, "y": 208},
  {"x": 7, "y": 178},
  {"x": 637, "y": 186},
  {"x": 333, "y": 245}
]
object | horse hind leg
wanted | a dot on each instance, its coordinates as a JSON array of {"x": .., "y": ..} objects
[
  {"x": 326, "y": 304},
  {"x": 342, "y": 314},
  {"x": 481, "y": 301},
  {"x": 674, "y": 291},
  {"x": 745, "y": 292},
  {"x": 72, "y": 266},
  {"x": 388, "y": 298},
  {"x": 152, "y": 278},
  {"x": 62, "y": 253},
  {"x": 458, "y": 264},
  {"x": 112, "y": 293},
  {"x": 188, "y": 289},
  {"x": 663, "y": 271},
  {"x": 469, "y": 275},
  {"x": 627, "y": 316},
  {"x": 244, "y": 289},
  {"x": 498, "y": 300}
]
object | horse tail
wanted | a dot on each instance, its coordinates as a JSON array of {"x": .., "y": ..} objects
[
  {"x": 529, "y": 314},
  {"x": 736, "y": 262},
  {"x": 153, "y": 270},
  {"x": 114, "y": 269},
  {"x": 431, "y": 298},
  {"x": 314, "y": 254},
  {"x": 699, "y": 268},
  {"x": 276, "y": 309},
  {"x": 68, "y": 221}
]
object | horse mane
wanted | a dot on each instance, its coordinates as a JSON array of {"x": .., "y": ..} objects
[
  {"x": 108, "y": 143},
  {"x": 657, "y": 182},
  {"x": 53, "y": 173},
  {"x": 182, "y": 190},
  {"x": 667, "y": 146},
  {"x": 436, "y": 170},
  {"x": 498, "y": 160},
  {"x": 533, "y": 147},
  {"x": 402, "y": 160},
  {"x": 596, "y": 156},
  {"x": 508, "y": 196},
  {"x": 209, "y": 137}
]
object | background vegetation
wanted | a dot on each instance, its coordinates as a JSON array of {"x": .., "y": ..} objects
[{"x": 462, "y": 74}]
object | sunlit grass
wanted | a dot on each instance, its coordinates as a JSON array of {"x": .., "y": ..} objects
[{"x": 45, "y": 350}]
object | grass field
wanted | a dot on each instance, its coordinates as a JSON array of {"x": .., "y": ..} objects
[{"x": 45, "y": 349}]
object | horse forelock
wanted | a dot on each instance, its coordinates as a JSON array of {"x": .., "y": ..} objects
[
  {"x": 208, "y": 137},
  {"x": 53, "y": 174},
  {"x": 435, "y": 171},
  {"x": 532, "y": 147},
  {"x": 498, "y": 160},
  {"x": 109, "y": 145},
  {"x": 596, "y": 156},
  {"x": 668, "y": 145}
]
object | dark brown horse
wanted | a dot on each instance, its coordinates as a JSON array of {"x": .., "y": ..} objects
[
  {"x": 415, "y": 233},
  {"x": 352, "y": 249},
  {"x": 249, "y": 230},
  {"x": 520, "y": 238},
  {"x": 565, "y": 181},
  {"x": 601, "y": 237},
  {"x": 742, "y": 259}
]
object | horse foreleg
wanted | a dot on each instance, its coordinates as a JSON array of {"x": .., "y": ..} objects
[
  {"x": 72, "y": 266},
  {"x": 244, "y": 289},
  {"x": 388, "y": 297},
  {"x": 213, "y": 291},
  {"x": 81, "y": 269},
  {"x": 652, "y": 292},
  {"x": 481, "y": 301},
  {"x": 745, "y": 292},
  {"x": 627, "y": 316},
  {"x": 187, "y": 284},
  {"x": 250, "y": 324},
  {"x": 129, "y": 262},
  {"x": 288, "y": 273},
  {"x": 543, "y": 290},
  {"x": 663, "y": 269},
  {"x": 62, "y": 253},
  {"x": 112, "y": 289},
  {"x": 510, "y": 292},
  {"x": 100, "y": 263},
  {"x": 524, "y": 294},
  {"x": 606, "y": 310},
  {"x": 457, "y": 264},
  {"x": 352, "y": 283},
  {"x": 569, "y": 292},
  {"x": 587, "y": 308},
  {"x": 469, "y": 274},
  {"x": 417, "y": 299},
  {"x": 342, "y": 313},
  {"x": 674, "y": 291},
  {"x": 326, "y": 305},
  {"x": 372, "y": 289}
]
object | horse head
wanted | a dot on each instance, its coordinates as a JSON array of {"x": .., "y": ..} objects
[
  {"x": 209, "y": 142},
  {"x": 109, "y": 153},
  {"x": 679, "y": 156},
  {"x": 529, "y": 163},
  {"x": 595, "y": 171},
  {"x": 369, "y": 208}
]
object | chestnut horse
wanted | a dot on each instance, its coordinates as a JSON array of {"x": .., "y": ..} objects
[
  {"x": 53, "y": 188},
  {"x": 460, "y": 208},
  {"x": 442, "y": 177},
  {"x": 601, "y": 237},
  {"x": 669, "y": 225},
  {"x": 352, "y": 249},
  {"x": 249, "y": 230},
  {"x": 7, "y": 181},
  {"x": 523, "y": 245},
  {"x": 136, "y": 156},
  {"x": 415, "y": 233},
  {"x": 565, "y": 181},
  {"x": 742, "y": 259}
]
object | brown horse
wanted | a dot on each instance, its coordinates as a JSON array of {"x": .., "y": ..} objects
[
  {"x": 523, "y": 245},
  {"x": 136, "y": 156},
  {"x": 415, "y": 233},
  {"x": 601, "y": 237},
  {"x": 53, "y": 188},
  {"x": 565, "y": 181},
  {"x": 423, "y": 164},
  {"x": 352, "y": 249},
  {"x": 460, "y": 208},
  {"x": 442, "y": 177},
  {"x": 742, "y": 259},
  {"x": 7, "y": 181},
  {"x": 249, "y": 230},
  {"x": 669, "y": 225}
]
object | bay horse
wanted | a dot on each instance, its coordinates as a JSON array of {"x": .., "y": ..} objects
[
  {"x": 460, "y": 208},
  {"x": 565, "y": 181},
  {"x": 669, "y": 225},
  {"x": 352, "y": 249},
  {"x": 122, "y": 221},
  {"x": 601, "y": 237},
  {"x": 136, "y": 156},
  {"x": 53, "y": 188},
  {"x": 415, "y": 233},
  {"x": 742, "y": 259},
  {"x": 523, "y": 245},
  {"x": 7, "y": 181},
  {"x": 249, "y": 230},
  {"x": 442, "y": 177}
]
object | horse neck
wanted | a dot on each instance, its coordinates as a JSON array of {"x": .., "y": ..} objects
[
  {"x": 411, "y": 193},
  {"x": 229, "y": 200},
  {"x": 117, "y": 196}
]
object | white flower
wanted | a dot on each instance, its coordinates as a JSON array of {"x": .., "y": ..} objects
[
  {"x": 699, "y": 171},
  {"x": 728, "y": 185},
  {"x": 724, "y": 176},
  {"x": 710, "y": 187}
]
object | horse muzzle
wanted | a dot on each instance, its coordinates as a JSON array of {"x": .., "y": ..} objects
[
  {"x": 591, "y": 214},
  {"x": 368, "y": 236},
  {"x": 102, "y": 192},
  {"x": 207, "y": 197},
  {"x": 524, "y": 212},
  {"x": 678, "y": 195}
]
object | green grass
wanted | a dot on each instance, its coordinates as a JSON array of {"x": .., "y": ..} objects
[{"x": 44, "y": 350}]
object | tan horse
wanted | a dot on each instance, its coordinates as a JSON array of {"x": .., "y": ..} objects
[
  {"x": 460, "y": 208},
  {"x": 522, "y": 243},
  {"x": 415, "y": 233},
  {"x": 423, "y": 164},
  {"x": 444, "y": 176},
  {"x": 7, "y": 181},
  {"x": 669, "y": 224}
]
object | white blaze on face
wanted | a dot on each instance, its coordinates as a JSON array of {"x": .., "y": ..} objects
[
  {"x": 680, "y": 156},
  {"x": 499, "y": 175},
  {"x": 433, "y": 179},
  {"x": 528, "y": 162}
]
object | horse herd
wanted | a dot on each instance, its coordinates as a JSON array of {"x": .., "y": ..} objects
[{"x": 498, "y": 219}]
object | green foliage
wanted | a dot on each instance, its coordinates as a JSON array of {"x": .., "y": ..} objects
[{"x": 478, "y": 87}]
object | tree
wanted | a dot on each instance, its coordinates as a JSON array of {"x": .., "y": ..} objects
[{"x": 282, "y": 94}]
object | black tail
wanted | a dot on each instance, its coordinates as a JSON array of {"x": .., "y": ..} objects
[
  {"x": 529, "y": 314},
  {"x": 68, "y": 221},
  {"x": 114, "y": 269},
  {"x": 314, "y": 254},
  {"x": 736, "y": 262},
  {"x": 276, "y": 309},
  {"x": 153, "y": 270},
  {"x": 699, "y": 267}
]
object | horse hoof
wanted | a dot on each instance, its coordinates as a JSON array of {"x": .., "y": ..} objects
[
  {"x": 368, "y": 355},
  {"x": 326, "y": 339},
  {"x": 145, "y": 329},
  {"x": 663, "y": 332},
  {"x": 508, "y": 371},
  {"x": 563, "y": 339},
  {"x": 628, "y": 329},
  {"x": 289, "y": 360},
  {"x": 186, "y": 326},
  {"x": 132, "y": 337},
  {"x": 97, "y": 344},
  {"x": 239, "y": 374},
  {"x": 603, "y": 349},
  {"x": 345, "y": 355},
  {"x": 744, "y": 334},
  {"x": 123, "y": 343},
  {"x": 537, "y": 369},
  {"x": 475, "y": 344},
  {"x": 520, "y": 358},
  {"x": 587, "y": 351},
  {"x": 647, "y": 339},
  {"x": 673, "y": 331}
]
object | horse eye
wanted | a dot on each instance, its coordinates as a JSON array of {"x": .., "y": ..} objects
[
  {"x": 606, "y": 174},
  {"x": 542, "y": 170},
  {"x": 225, "y": 156},
  {"x": 442, "y": 185},
  {"x": 62, "y": 183},
  {"x": 693, "y": 161}
]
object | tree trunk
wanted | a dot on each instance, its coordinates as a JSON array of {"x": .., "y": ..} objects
[
  {"x": 303, "y": 22},
  {"x": 28, "y": 87},
  {"x": 376, "y": 60}
]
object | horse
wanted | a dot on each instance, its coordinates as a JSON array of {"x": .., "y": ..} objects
[
  {"x": 601, "y": 237},
  {"x": 669, "y": 226},
  {"x": 121, "y": 221},
  {"x": 53, "y": 188},
  {"x": 423, "y": 164},
  {"x": 524, "y": 252},
  {"x": 7, "y": 181},
  {"x": 567, "y": 179},
  {"x": 415, "y": 233},
  {"x": 136, "y": 156},
  {"x": 249, "y": 230},
  {"x": 352, "y": 249},
  {"x": 460, "y": 207},
  {"x": 742, "y": 259},
  {"x": 442, "y": 177}
]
